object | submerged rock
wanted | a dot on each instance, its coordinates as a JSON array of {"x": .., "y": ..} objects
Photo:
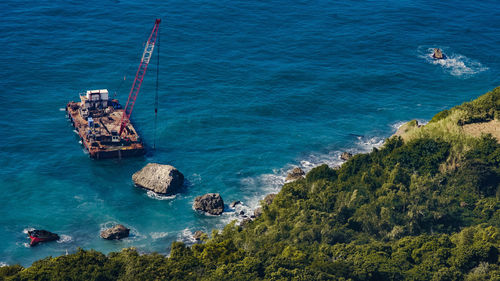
[
  {"x": 345, "y": 156},
  {"x": 438, "y": 54},
  {"x": 162, "y": 179},
  {"x": 211, "y": 203},
  {"x": 41, "y": 235},
  {"x": 118, "y": 231},
  {"x": 295, "y": 174}
]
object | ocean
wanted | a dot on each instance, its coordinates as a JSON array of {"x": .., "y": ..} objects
[{"x": 247, "y": 91}]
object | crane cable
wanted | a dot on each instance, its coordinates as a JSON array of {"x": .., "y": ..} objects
[{"x": 156, "y": 95}]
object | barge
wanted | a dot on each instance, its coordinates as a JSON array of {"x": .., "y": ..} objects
[
  {"x": 103, "y": 124},
  {"x": 96, "y": 119}
]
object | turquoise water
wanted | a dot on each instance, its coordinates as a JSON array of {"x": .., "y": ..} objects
[{"x": 248, "y": 90}]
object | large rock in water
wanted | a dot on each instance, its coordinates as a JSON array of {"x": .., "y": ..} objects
[
  {"x": 211, "y": 203},
  {"x": 438, "y": 54},
  {"x": 163, "y": 179},
  {"x": 295, "y": 174},
  {"x": 118, "y": 231}
]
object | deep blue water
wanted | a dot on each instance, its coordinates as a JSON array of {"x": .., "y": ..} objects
[{"x": 248, "y": 89}]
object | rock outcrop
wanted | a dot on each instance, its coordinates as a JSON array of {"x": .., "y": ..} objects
[
  {"x": 118, "y": 231},
  {"x": 234, "y": 203},
  {"x": 345, "y": 156},
  {"x": 403, "y": 129},
  {"x": 438, "y": 54},
  {"x": 162, "y": 179},
  {"x": 295, "y": 174},
  {"x": 198, "y": 235},
  {"x": 211, "y": 203}
]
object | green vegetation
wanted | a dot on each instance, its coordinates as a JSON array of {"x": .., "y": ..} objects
[{"x": 423, "y": 207}]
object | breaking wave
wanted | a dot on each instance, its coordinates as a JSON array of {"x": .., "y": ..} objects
[
  {"x": 397, "y": 125},
  {"x": 455, "y": 64},
  {"x": 186, "y": 236},
  {"x": 157, "y": 196},
  {"x": 158, "y": 235},
  {"x": 273, "y": 182},
  {"x": 25, "y": 231},
  {"x": 64, "y": 239}
]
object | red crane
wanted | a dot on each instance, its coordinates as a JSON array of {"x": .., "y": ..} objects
[{"x": 139, "y": 76}]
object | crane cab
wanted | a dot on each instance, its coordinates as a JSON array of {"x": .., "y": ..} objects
[{"x": 114, "y": 136}]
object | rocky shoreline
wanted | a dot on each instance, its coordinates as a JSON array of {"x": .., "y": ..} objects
[{"x": 166, "y": 180}]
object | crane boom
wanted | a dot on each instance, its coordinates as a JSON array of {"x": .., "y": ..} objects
[{"x": 139, "y": 76}]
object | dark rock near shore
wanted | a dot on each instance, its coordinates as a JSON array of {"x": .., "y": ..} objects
[
  {"x": 345, "y": 156},
  {"x": 295, "y": 174},
  {"x": 118, "y": 231},
  {"x": 438, "y": 54},
  {"x": 269, "y": 198},
  {"x": 234, "y": 203},
  {"x": 211, "y": 203},
  {"x": 162, "y": 179}
]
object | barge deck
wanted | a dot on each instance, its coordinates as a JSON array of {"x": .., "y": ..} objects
[{"x": 96, "y": 119}]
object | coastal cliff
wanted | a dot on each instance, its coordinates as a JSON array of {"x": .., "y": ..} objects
[{"x": 425, "y": 206}]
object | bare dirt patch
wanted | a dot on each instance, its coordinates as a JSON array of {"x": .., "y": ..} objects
[{"x": 491, "y": 127}]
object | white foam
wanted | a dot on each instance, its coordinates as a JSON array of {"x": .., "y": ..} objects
[
  {"x": 64, "y": 239},
  {"x": 260, "y": 186},
  {"x": 25, "y": 231},
  {"x": 203, "y": 213},
  {"x": 367, "y": 144},
  {"x": 157, "y": 196},
  {"x": 395, "y": 126},
  {"x": 158, "y": 235},
  {"x": 398, "y": 125},
  {"x": 232, "y": 214},
  {"x": 186, "y": 236},
  {"x": 2, "y": 264},
  {"x": 273, "y": 182},
  {"x": 62, "y": 109},
  {"x": 108, "y": 224},
  {"x": 455, "y": 64}
]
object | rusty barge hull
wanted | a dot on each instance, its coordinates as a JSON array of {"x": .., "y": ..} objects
[{"x": 98, "y": 128}]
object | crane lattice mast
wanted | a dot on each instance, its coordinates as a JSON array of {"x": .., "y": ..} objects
[{"x": 139, "y": 76}]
